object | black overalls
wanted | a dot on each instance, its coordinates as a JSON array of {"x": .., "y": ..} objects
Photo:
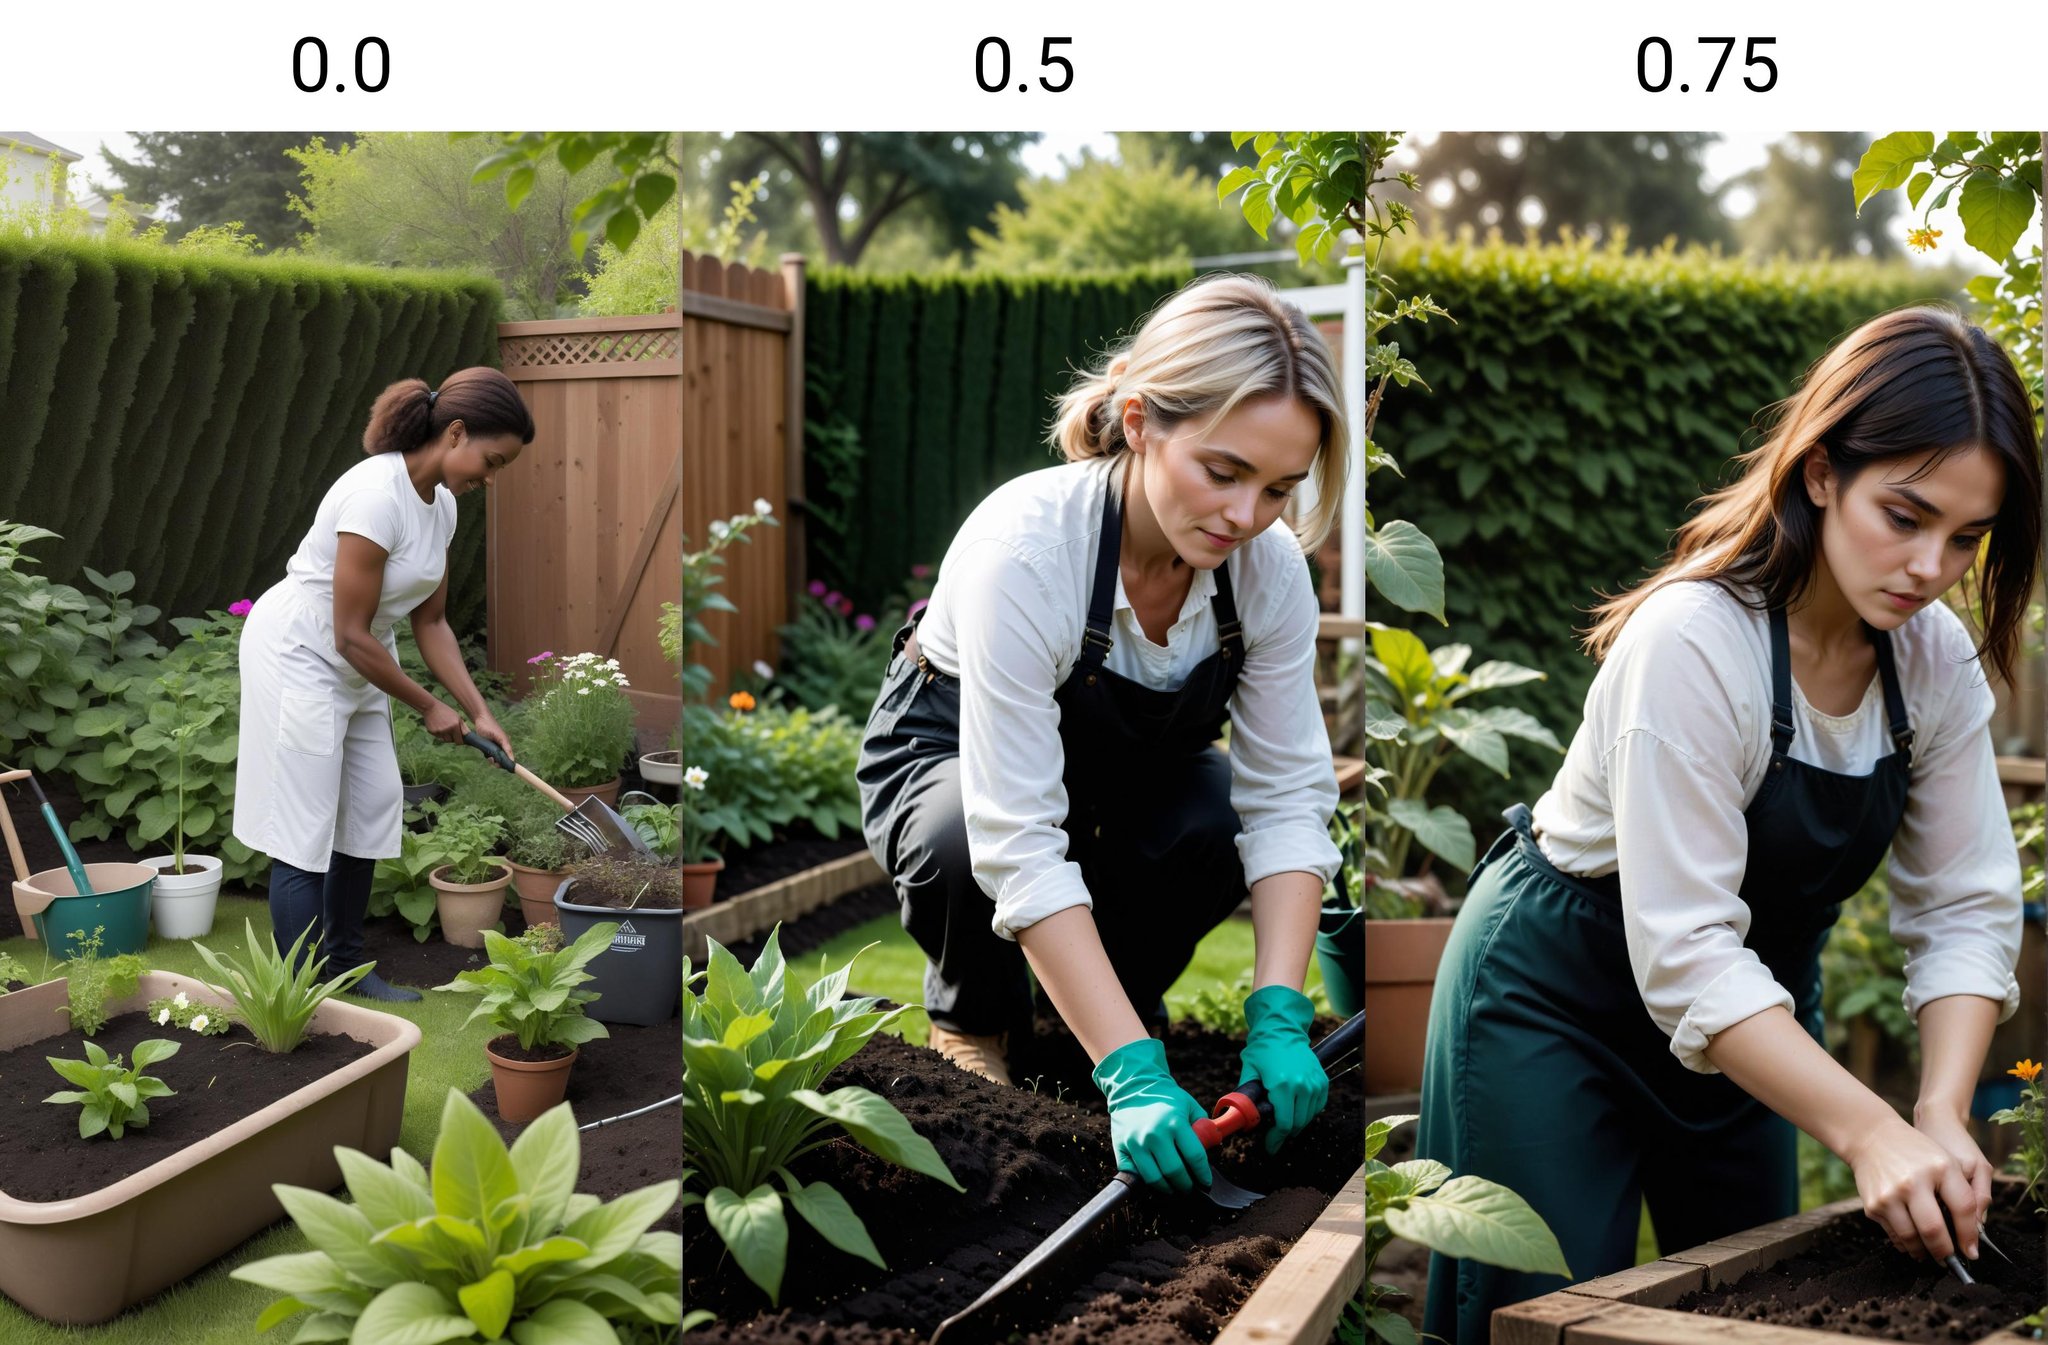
[
  {"x": 1148, "y": 820},
  {"x": 1545, "y": 1073}
]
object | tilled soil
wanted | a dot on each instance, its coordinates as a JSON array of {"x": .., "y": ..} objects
[
  {"x": 216, "y": 1081},
  {"x": 1166, "y": 1270},
  {"x": 1853, "y": 1282},
  {"x": 629, "y": 1069},
  {"x": 817, "y": 929},
  {"x": 800, "y": 847}
]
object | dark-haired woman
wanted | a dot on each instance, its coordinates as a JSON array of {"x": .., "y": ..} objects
[
  {"x": 1629, "y": 1007},
  {"x": 316, "y": 785}
]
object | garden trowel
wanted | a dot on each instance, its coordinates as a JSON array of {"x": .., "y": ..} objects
[
  {"x": 1243, "y": 1109},
  {"x": 592, "y": 823}
]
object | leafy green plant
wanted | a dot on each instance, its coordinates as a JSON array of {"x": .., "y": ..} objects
[
  {"x": 529, "y": 988},
  {"x": 1316, "y": 179},
  {"x": 702, "y": 577},
  {"x": 1863, "y": 969},
  {"x": 1347, "y": 829},
  {"x": 91, "y": 980},
  {"x": 530, "y": 835},
  {"x": 274, "y": 995},
  {"x": 2031, "y": 1157},
  {"x": 772, "y": 766},
  {"x": 184, "y": 1011},
  {"x": 1415, "y": 720},
  {"x": 577, "y": 726},
  {"x": 627, "y": 882},
  {"x": 753, "y": 1056},
  {"x": 399, "y": 886},
  {"x": 659, "y": 824},
  {"x": 490, "y": 1243},
  {"x": 1468, "y": 1218},
  {"x": 644, "y": 165},
  {"x": 11, "y": 970},
  {"x": 831, "y": 659},
  {"x": 466, "y": 838},
  {"x": 113, "y": 1098}
]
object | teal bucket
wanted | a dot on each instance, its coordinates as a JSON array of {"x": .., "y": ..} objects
[
  {"x": 119, "y": 906},
  {"x": 1340, "y": 955}
]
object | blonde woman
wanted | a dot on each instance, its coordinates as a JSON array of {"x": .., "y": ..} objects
[
  {"x": 1629, "y": 1006},
  {"x": 1039, "y": 775}
]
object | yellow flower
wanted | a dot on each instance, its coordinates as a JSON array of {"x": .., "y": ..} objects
[
  {"x": 740, "y": 700},
  {"x": 1922, "y": 240},
  {"x": 2026, "y": 1070}
]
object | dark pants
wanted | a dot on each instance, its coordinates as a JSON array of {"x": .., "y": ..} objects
[
  {"x": 331, "y": 904},
  {"x": 1156, "y": 845}
]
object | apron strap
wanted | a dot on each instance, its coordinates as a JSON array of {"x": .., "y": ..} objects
[
  {"x": 1894, "y": 699},
  {"x": 1095, "y": 641},
  {"x": 1781, "y": 684},
  {"x": 1229, "y": 632}
]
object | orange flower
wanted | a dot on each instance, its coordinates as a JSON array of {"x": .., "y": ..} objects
[
  {"x": 2026, "y": 1070},
  {"x": 741, "y": 700}
]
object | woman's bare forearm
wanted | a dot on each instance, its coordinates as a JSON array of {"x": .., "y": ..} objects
[
  {"x": 1771, "y": 1058},
  {"x": 368, "y": 656},
  {"x": 1955, "y": 1036},
  {"x": 1286, "y": 909},
  {"x": 1066, "y": 954},
  {"x": 443, "y": 655}
]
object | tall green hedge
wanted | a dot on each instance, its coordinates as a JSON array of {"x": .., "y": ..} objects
[
  {"x": 1582, "y": 402},
  {"x": 926, "y": 392},
  {"x": 180, "y": 415}
]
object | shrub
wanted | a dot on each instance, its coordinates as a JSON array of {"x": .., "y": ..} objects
[
  {"x": 578, "y": 723},
  {"x": 772, "y": 766}
]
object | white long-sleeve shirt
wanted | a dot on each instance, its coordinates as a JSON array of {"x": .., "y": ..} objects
[
  {"x": 1006, "y": 618},
  {"x": 1674, "y": 745}
]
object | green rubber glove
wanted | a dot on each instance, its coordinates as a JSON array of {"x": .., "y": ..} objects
[
  {"x": 1277, "y": 1054},
  {"x": 1152, "y": 1118}
]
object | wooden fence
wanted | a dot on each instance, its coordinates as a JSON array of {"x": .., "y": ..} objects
[
  {"x": 585, "y": 530},
  {"x": 743, "y": 390}
]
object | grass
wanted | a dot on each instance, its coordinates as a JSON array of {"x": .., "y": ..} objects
[{"x": 210, "y": 1308}]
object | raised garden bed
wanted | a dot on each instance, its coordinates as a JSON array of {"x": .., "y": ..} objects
[
  {"x": 801, "y": 847},
  {"x": 782, "y": 901},
  {"x": 1828, "y": 1274},
  {"x": 84, "y": 1258},
  {"x": 1169, "y": 1270}
]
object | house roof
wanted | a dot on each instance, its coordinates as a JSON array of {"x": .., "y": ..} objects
[{"x": 38, "y": 145}]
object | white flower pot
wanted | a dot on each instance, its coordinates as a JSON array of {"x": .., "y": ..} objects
[
  {"x": 181, "y": 904},
  {"x": 662, "y": 768}
]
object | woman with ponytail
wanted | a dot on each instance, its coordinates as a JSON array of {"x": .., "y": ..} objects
[
  {"x": 1039, "y": 773},
  {"x": 316, "y": 784},
  {"x": 1629, "y": 1006}
]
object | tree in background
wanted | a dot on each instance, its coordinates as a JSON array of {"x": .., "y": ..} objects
[
  {"x": 645, "y": 278},
  {"x": 211, "y": 178},
  {"x": 1798, "y": 191},
  {"x": 1207, "y": 152},
  {"x": 1648, "y": 183},
  {"x": 407, "y": 198},
  {"x": 1105, "y": 214}
]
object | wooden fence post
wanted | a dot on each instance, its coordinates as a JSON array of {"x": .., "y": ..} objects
[{"x": 795, "y": 505}]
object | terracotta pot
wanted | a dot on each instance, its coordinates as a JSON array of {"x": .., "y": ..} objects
[
  {"x": 526, "y": 1088},
  {"x": 83, "y": 1260},
  {"x": 700, "y": 881},
  {"x": 468, "y": 909},
  {"x": 608, "y": 791},
  {"x": 537, "y": 891},
  {"x": 1400, "y": 972}
]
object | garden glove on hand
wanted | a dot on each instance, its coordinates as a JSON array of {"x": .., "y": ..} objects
[
  {"x": 1152, "y": 1118},
  {"x": 1277, "y": 1054}
]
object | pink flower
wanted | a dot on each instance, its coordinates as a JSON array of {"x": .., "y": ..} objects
[
  {"x": 542, "y": 657},
  {"x": 920, "y": 572},
  {"x": 834, "y": 598},
  {"x": 816, "y": 588},
  {"x": 917, "y": 606},
  {"x": 863, "y": 622},
  {"x": 240, "y": 608}
]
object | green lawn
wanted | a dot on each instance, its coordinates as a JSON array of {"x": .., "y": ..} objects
[{"x": 209, "y": 1308}]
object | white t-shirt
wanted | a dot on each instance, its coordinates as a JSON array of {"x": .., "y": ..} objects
[
  {"x": 1006, "y": 617},
  {"x": 375, "y": 499},
  {"x": 1674, "y": 745}
]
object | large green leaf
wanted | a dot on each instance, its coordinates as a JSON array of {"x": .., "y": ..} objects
[
  {"x": 563, "y": 1321},
  {"x": 488, "y": 1302},
  {"x": 412, "y": 1314},
  {"x": 1996, "y": 210},
  {"x": 1889, "y": 161},
  {"x": 1471, "y": 1218},
  {"x": 880, "y": 1128},
  {"x": 544, "y": 1160},
  {"x": 1513, "y": 723},
  {"x": 613, "y": 1228},
  {"x": 1376, "y": 1132},
  {"x": 1405, "y": 662},
  {"x": 1404, "y": 565},
  {"x": 471, "y": 1171},
  {"x": 754, "y": 1231},
  {"x": 1442, "y": 830},
  {"x": 1423, "y": 1175},
  {"x": 1475, "y": 739},
  {"x": 827, "y": 1211}
]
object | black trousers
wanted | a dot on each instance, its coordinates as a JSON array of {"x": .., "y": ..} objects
[{"x": 1155, "y": 840}]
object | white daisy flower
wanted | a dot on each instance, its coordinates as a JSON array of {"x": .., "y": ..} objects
[
  {"x": 180, "y": 1000},
  {"x": 762, "y": 670},
  {"x": 720, "y": 529},
  {"x": 163, "y": 1016},
  {"x": 199, "y": 1023},
  {"x": 583, "y": 691},
  {"x": 695, "y": 777},
  {"x": 763, "y": 508}
]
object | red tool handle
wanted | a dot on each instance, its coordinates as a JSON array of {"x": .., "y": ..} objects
[{"x": 1237, "y": 1112}]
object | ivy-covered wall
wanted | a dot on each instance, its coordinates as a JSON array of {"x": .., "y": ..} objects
[{"x": 180, "y": 416}]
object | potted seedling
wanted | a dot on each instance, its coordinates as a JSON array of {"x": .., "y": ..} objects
[
  {"x": 539, "y": 855},
  {"x": 695, "y": 826},
  {"x": 641, "y": 981},
  {"x": 530, "y": 995},
  {"x": 576, "y": 729},
  {"x": 469, "y": 885},
  {"x": 187, "y": 886}
]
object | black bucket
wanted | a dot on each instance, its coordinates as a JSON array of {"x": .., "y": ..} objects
[{"x": 639, "y": 979}]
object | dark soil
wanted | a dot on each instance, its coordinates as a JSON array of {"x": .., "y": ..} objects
[
  {"x": 820, "y": 927},
  {"x": 402, "y": 960},
  {"x": 618, "y": 884},
  {"x": 629, "y": 1069},
  {"x": 216, "y": 1081},
  {"x": 800, "y": 847},
  {"x": 1851, "y": 1281},
  {"x": 1165, "y": 1270},
  {"x": 506, "y": 1047},
  {"x": 39, "y": 847}
]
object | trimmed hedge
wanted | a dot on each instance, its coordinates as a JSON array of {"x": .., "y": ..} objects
[
  {"x": 1582, "y": 402},
  {"x": 926, "y": 392},
  {"x": 180, "y": 415}
]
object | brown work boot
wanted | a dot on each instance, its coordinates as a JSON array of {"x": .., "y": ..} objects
[{"x": 981, "y": 1055}]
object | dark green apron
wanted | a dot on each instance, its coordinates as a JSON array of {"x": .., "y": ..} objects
[{"x": 1545, "y": 1073}]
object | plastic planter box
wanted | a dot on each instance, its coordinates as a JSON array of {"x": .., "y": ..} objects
[{"x": 83, "y": 1260}]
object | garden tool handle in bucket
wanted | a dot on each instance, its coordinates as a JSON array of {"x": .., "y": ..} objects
[
  {"x": 78, "y": 882},
  {"x": 14, "y": 851},
  {"x": 497, "y": 754},
  {"x": 1245, "y": 1107}
]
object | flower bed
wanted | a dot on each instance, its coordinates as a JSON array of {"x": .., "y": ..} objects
[{"x": 1169, "y": 1270}]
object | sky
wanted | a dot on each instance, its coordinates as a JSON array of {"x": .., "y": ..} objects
[{"x": 1724, "y": 159}]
